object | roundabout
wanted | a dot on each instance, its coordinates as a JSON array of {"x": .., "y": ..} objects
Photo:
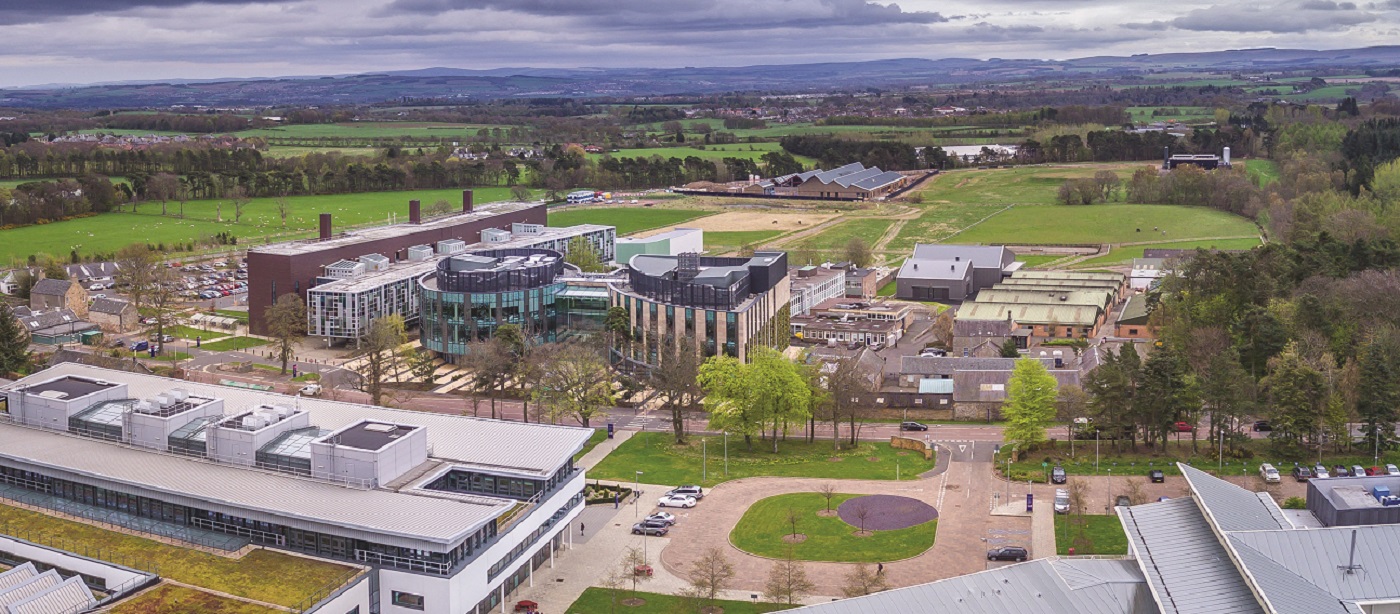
[{"x": 860, "y": 529}]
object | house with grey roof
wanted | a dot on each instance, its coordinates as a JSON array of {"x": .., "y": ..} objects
[
  {"x": 113, "y": 315},
  {"x": 952, "y": 273},
  {"x": 51, "y": 293}
]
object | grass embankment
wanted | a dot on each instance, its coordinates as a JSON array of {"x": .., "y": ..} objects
[
  {"x": 628, "y": 220},
  {"x": 171, "y": 599},
  {"x": 762, "y": 530},
  {"x": 593, "y": 440},
  {"x": 190, "y": 332},
  {"x": 1121, "y": 255},
  {"x": 598, "y": 600},
  {"x": 1138, "y": 463},
  {"x": 262, "y": 575},
  {"x": 1089, "y": 534},
  {"x": 233, "y": 343},
  {"x": 667, "y": 463},
  {"x": 726, "y": 240}
]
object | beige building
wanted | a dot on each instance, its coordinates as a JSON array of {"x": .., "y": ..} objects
[
  {"x": 114, "y": 316},
  {"x": 727, "y": 305},
  {"x": 59, "y": 294},
  {"x": 1048, "y": 304}
]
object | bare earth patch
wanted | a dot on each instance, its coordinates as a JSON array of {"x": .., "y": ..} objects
[
  {"x": 795, "y": 539},
  {"x": 828, "y": 513},
  {"x": 835, "y": 459},
  {"x": 711, "y": 609},
  {"x": 905, "y": 453},
  {"x": 863, "y": 533},
  {"x": 873, "y": 459},
  {"x": 734, "y": 221}
]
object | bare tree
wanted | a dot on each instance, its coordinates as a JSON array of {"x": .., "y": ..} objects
[
  {"x": 1135, "y": 492},
  {"x": 163, "y": 296},
  {"x": 862, "y": 580},
  {"x": 849, "y": 388},
  {"x": 674, "y": 380},
  {"x": 1078, "y": 504},
  {"x": 787, "y": 581},
  {"x": 827, "y": 491},
  {"x": 792, "y": 518},
  {"x": 286, "y": 324},
  {"x": 942, "y": 329},
  {"x": 283, "y": 209},
  {"x": 862, "y": 513},
  {"x": 858, "y": 252},
  {"x": 380, "y": 345},
  {"x": 711, "y": 574},
  {"x": 630, "y": 562},
  {"x": 136, "y": 267},
  {"x": 240, "y": 199}
]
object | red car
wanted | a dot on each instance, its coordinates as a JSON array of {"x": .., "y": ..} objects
[{"x": 1182, "y": 427}]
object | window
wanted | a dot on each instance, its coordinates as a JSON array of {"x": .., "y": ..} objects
[
  {"x": 408, "y": 600},
  {"x": 354, "y": 610},
  {"x": 1132, "y": 332}
]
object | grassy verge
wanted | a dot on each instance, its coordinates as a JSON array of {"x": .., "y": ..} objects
[
  {"x": 1035, "y": 260},
  {"x": 667, "y": 463},
  {"x": 1137, "y": 463},
  {"x": 593, "y": 440},
  {"x": 598, "y": 600},
  {"x": 171, "y": 599},
  {"x": 1089, "y": 534},
  {"x": 264, "y": 575},
  {"x": 241, "y": 316},
  {"x": 627, "y": 219},
  {"x": 307, "y": 377},
  {"x": 233, "y": 343},
  {"x": 739, "y": 238},
  {"x": 764, "y": 525},
  {"x": 190, "y": 332},
  {"x": 1125, "y": 254}
]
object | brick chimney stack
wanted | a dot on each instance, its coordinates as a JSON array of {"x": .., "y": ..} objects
[
  {"x": 415, "y": 212},
  {"x": 325, "y": 226},
  {"x": 467, "y": 201}
]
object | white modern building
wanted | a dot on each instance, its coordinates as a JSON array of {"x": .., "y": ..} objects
[
  {"x": 670, "y": 243},
  {"x": 446, "y": 513},
  {"x": 351, "y": 293},
  {"x": 811, "y": 285}
]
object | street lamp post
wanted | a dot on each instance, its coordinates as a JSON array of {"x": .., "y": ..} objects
[
  {"x": 1096, "y": 451},
  {"x": 637, "y": 495}
]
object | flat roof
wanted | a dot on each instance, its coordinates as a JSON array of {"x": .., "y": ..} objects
[
  {"x": 68, "y": 387},
  {"x": 372, "y": 435},
  {"x": 376, "y": 233},
  {"x": 1352, "y": 493}
]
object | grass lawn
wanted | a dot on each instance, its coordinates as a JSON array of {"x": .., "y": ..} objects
[
  {"x": 307, "y": 377},
  {"x": 1115, "y": 223},
  {"x": 666, "y": 463},
  {"x": 1267, "y": 171},
  {"x": 600, "y": 600},
  {"x": 939, "y": 222},
  {"x": 171, "y": 599},
  {"x": 593, "y": 440},
  {"x": 627, "y": 219},
  {"x": 190, "y": 332},
  {"x": 1035, "y": 260},
  {"x": 368, "y": 130},
  {"x": 284, "y": 151},
  {"x": 264, "y": 575},
  {"x": 173, "y": 356},
  {"x": 763, "y": 526},
  {"x": 1025, "y": 185},
  {"x": 233, "y": 343},
  {"x": 241, "y": 316},
  {"x": 888, "y": 289},
  {"x": 1126, "y": 254},
  {"x": 744, "y": 151},
  {"x": 1138, "y": 463},
  {"x": 836, "y": 237},
  {"x": 109, "y": 232},
  {"x": 739, "y": 238},
  {"x": 1102, "y": 534}
]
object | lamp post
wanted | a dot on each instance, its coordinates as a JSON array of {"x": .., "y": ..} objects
[
  {"x": 637, "y": 495},
  {"x": 704, "y": 460},
  {"x": 726, "y": 454},
  {"x": 1096, "y": 451}
]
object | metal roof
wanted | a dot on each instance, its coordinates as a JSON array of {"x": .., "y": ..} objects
[
  {"x": 981, "y": 256},
  {"x": 67, "y": 597},
  {"x": 879, "y": 181},
  {"x": 1315, "y": 554},
  {"x": 929, "y": 385},
  {"x": 1061, "y": 315},
  {"x": 920, "y": 268},
  {"x": 17, "y": 575},
  {"x": 1286, "y": 592},
  {"x": 1230, "y": 507},
  {"x": 1189, "y": 570},
  {"x": 376, "y": 233},
  {"x": 1036, "y": 296},
  {"x": 1069, "y": 275},
  {"x": 1046, "y": 586}
]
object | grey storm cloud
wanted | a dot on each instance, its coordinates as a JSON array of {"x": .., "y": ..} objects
[
  {"x": 1288, "y": 18},
  {"x": 696, "y": 14},
  {"x": 30, "y": 11}
]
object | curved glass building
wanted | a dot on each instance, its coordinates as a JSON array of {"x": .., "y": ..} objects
[{"x": 470, "y": 295}]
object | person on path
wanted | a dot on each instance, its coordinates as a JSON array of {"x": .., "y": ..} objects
[
  {"x": 879, "y": 568},
  {"x": 580, "y": 529}
]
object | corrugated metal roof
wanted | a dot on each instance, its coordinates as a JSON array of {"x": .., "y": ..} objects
[
  {"x": 1068, "y": 275},
  {"x": 1189, "y": 570},
  {"x": 1231, "y": 507},
  {"x": 1063, "y": 315},
  {"x": 879, "y": 181},
  {"x": 981, "y": 256},
  {"x": 17, "y": 575},
  {"x": 935, "y": 386},
  {"x": 1041, "y": 587},
  {"x": 1046, "y": 297},
  {"x": 1287, "y": 592},
  {"x": 920, "y": 268},
  {"x": 1315, "y": 554},
  {"x": 27, "y": 588},
  {"x": 67, "y": 598}
]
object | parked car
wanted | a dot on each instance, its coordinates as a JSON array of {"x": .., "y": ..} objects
[
  {"x": 1392, "y": 470},
  {"x": 1156, "y": 476},
  {"x": 647, "y": 527},
  {"x": 1122, "y": 501},
  {"x": 1358, "y": 471},
  {"x": 1008, "y": 553},
  {"x": 163, "y": 338},
  {"x": 1375, "y": 471},
  {"x": 932, "y": 353},
  {"x": 1269, "y": 473},
  {"x": 95, "y": 287},
  {"x": 1262, "y": 426},
  {"x": 1058, "y": 475},
  {"x": 676, "y": 501},
  {"x": 1339, "y": 471},
  {"x": 310, "y": 390},
  {"x": 1061, "y": 501},
  {"x": 140, "y": 346},
  {"x": 912, "y": 426},
  {"x": 661, "y": 516},
  {"x": 688, "y": 490},
  {"x": 1182, "y": 427},
  {"x": 1301, "y": 473},
  {"x": 1320, "y": 471}
]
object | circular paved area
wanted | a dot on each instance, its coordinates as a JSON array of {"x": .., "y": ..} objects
[{"x": 887, "y": 512}]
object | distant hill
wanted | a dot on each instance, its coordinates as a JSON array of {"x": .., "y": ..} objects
[{"x": 449, "y": 83}]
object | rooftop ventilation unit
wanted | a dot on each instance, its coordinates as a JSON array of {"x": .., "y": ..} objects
[
  {"x": 527, "y": 229},
  {"x": 374, "y": 262},
  {"x": 419, "y": 252},
  {"x": 381, "y": 428},
  {"x": 54, "y": 394},
  {"x": 345, "y": 269},
  {"x": 254, "y": 421},
  {"x": 179, "y": 394},
  {"x": 451, "y": 246},
  {"x": 495, "y": 235}
]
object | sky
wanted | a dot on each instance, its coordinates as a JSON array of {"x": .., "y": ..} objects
[{"x": 86, "y": 41}]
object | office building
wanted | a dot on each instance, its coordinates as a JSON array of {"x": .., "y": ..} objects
[
  {"x": 670, "y": 243},
  {"x": 813, "y": 285},
  {"x": 468, "y": 296},
  {"x": 450, "y": 513}
]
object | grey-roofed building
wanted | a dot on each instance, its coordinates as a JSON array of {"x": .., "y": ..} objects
[
  {"x": 51, "y": 293},
  {"x": 55, "y": 326},
  {"x": 972, "y": 335},
  {"x": 1187, "y": 567},
  {"x": 1354, "y": 501},
  {"x": 113, "y": 315},
  {"x": 952, "y": 273},
  {"x": 1146, "y": 272},
  {"x": 450, "y": 512}
]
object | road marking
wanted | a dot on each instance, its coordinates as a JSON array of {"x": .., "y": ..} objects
[
  {"x": 943, "y": 488},
  {"x": 962, "y": 448}
]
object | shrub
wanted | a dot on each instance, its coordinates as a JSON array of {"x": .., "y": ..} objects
[{"x": 1295, "y": 503}]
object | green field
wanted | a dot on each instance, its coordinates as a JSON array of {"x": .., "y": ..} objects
[
  {"x": 283, "y": 151},
  {"x": 109, "y": 232},
  {"x": 836, "y": 237},
  {"x": 1120, "y": 255},
  {"x": 667, "y": 463},
  {"x": 600, "y": 601},
  {"x": 264, "y": 575},
  {"x": 765, "y": 523},
  {"x": 233, "y": 344},
  {"x": 1036, "y": 260},
  {"x": 738, "y": 238},
  {"x": 369, "y": 130},
  {"x": 1035, "y": 185},
  {"x": 1266, "y": 171},
  {"x": 1105, "y": 224},
  {"x": 1183, "y": 114},
  {"x": 627, "y": 219},
  {"x": 938, "y": 222},
  {"x": 190, "y": 332},
  {"x": 1100, "y": 534},
  {"x": 746, "y": 151}
]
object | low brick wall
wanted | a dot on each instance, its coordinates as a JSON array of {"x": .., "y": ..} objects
[{"x": 905, "y": 443}]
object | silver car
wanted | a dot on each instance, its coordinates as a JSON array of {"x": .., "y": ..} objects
[{"x": 1061, "y": 501}]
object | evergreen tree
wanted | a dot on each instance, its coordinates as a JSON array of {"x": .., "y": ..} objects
[
  {"x": 1378, "y": 392},
  {"x": 14, "y": 343},
  {"x": 1008, "y": 349},
  {"x": 1297, "y": 393},
  {"x": 1167, "y": 393}
]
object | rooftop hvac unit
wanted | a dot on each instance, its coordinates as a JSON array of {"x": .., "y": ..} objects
[
  {"x": 282, "y": 411},
  {"x": 495, "y": 235},
  {"x": 527, "y": 229},
  {"x": 163, "y": 401},
  {"x": 451, "y": 246},
  {"x": 380, "y": 428},
  {"x": 254, "y": 421},
  {"x": 268, "y": 415},
  {"x": 145, "y": 407},
  {"x": 419, "y": 252},
  {"x": 179, "y": 394},
  {"x": 374, "y": 262}
]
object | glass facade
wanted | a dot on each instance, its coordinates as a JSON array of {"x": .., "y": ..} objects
[{"x": 452, "y": 320}]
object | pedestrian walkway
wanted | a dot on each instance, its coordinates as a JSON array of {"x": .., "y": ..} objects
[
  {"x": 604, "y": 448},
  {"x": 1043, "y": 529}
]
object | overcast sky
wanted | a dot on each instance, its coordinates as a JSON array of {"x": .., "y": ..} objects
[{"x": 83, "y": 41}]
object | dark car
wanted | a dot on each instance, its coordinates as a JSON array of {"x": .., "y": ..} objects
[
  {"x": 1156, "y": 476},
  {"x": 1008, "y": 553},
  {"x": 1262, "y": 426},
  {"x": 1301, "y": 473},
  {"x": 651, "y": 528},
  {"x": 912, "y": 426},
  {"x": 140, "y": 346},
  {"x": 1340, "y": 471},
  {"x": 1058, "y": 475}
]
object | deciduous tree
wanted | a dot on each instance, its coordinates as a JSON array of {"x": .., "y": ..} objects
[
  {"x": 576, "y": 383},
  {"x": 787, "y": 581},
  {"x": 286, "y": 324},
  {"x": 862, "y": 580},
  {"x": 712, "y": 574},
  {"x": 1030, "y": 403},
  {"x": 379, "y": 345}
]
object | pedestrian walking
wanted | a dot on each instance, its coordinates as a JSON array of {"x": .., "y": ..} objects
[
  {"x": 294, "y": 371},
  {"x": 879, "y": 568},
  {"x": 580, "y": 529}
]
